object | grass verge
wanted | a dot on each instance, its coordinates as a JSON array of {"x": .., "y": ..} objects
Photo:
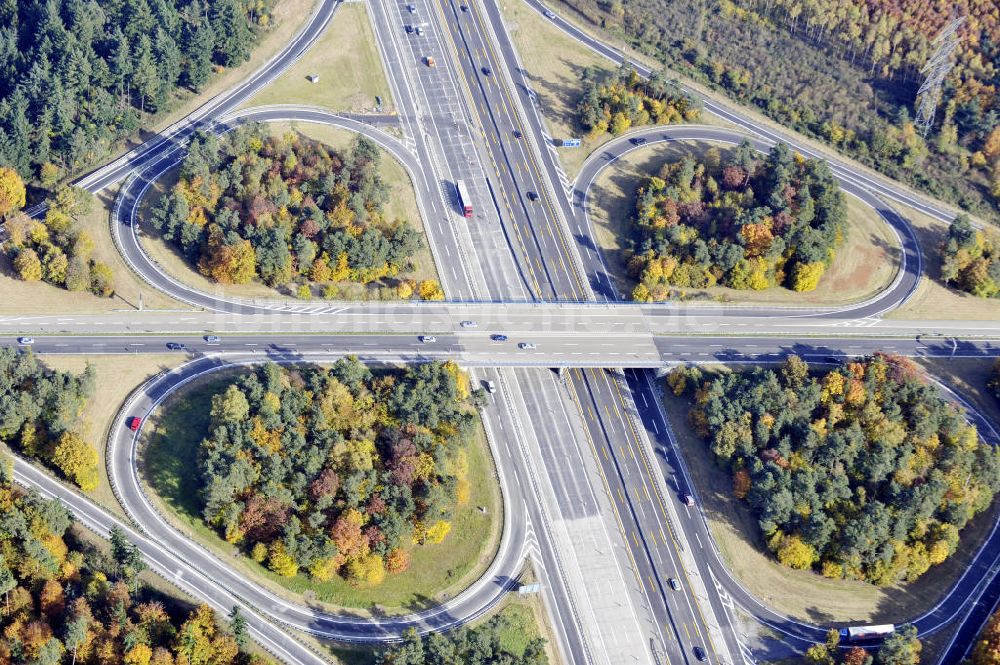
[
  {"x": 526, "y": 623},
  {"x": 117, "y": 377},
  {"x": 801, "y": 594},
  {"x": 40, "y": 298},
  {"x": 402, "y": 204},
  {"x": 932, "y": 299},
  {"x": 865, "y": 264},
  {"x": 347, "y": 63},
  {"x": 437, "y": 572}
]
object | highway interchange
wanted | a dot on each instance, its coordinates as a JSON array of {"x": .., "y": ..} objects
[{"x": 474, "y": 117}]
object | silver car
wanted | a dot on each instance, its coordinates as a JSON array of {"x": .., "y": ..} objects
[{"x": 524, "y": 346}]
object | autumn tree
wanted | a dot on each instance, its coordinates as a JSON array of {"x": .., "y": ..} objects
[
  {"x": 28, "y": 265},
  {"x": 12, "y": 191},
  {"x": 986, "y": 650},
  {"x": 77, "y": 460}
]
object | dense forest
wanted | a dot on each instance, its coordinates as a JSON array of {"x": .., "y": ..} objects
[
  {"x": 624, "y": 100},
  {"x": 482, "y": 645},
  {"x": 862, "y": 472},
  {"x": 65, "y": 601},
  {"x": 40, "y": 412},
  {"x": 337, "y": 471},
  {"x": 55, "y": 249},
  {"x": 285, "y": 209},
  {"x": 746, "y": 223},
  {"x": 843, "y": 71},
  {"x": 900, "y": 648},
  {"x": 78, "y": 75},
  {"x": 970, "y": 259},
  {"x": 986, "y": 650}
]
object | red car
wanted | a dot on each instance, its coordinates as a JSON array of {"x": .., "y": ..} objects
[{"x": 133, "y": 423}]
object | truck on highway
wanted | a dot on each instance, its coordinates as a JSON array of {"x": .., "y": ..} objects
[
  {"x": 856, "y": 634},
  {"x": 464, "y": 202}
]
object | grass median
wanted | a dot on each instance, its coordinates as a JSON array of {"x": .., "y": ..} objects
[{"x": 348, "y": 66}]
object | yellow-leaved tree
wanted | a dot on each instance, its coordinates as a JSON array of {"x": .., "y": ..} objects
[
  {"x": 77, "y": 460},
  {"x": 12, "y": 191}
]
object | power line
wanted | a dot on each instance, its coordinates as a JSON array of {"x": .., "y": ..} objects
[{"x": 936, "y": 69}]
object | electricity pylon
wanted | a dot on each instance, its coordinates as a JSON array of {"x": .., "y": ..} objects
[{"x": 936, "y": 69}]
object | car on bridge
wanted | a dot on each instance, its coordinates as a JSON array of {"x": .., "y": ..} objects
[
  {"x": 133, "y": 423},
  {"x": 524, "y": 346},
  {"x": 427, "y": 339},
  {"x": 469, "y": 324},
  {"x": 429, "y": 60},
  {"x": 549, "y": 14},
  {"x": 412, "y": 8},
  {"x": 498, "y": 338},
  {"x": 487, "y": 71},
  {"x": 213, "y": 339},
  {"x": 175, "y": 346},
  {"x": 674, "y": 584},
  {"x": 699, "y": 653},
  {"x": 517, "y": 133},
  {"x": 490, "y": 387},
  {"x": 687, "y": 499},
  {"x": 638, "y": 141},
  {"x": 25, "y": 341},
  {"x": 532, "y": 196}
]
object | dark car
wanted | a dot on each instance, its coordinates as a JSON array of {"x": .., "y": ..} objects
[
  {"x": 532, "y": 196},
  {"x": 637, "y": 141},
  {"x": 464, "y": 8},
  {"x": 498, "y": 338},
  {"x": 487, "y": 71},
  {"x": 832, "y": 359},
  {"x": 699, "y": 653},
  {"x": 408, "y": 28},
  {"x": 517, "y": 134},
  {"x": 175, "y": 346},
  {"x": 133, "y": 423}
]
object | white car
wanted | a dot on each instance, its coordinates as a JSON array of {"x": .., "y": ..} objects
[
  {"x": 549, "y": 14},
  {"x": 427, "y": 339},
  {"x": 469, "y": 324},
  {"x": 212, "y": 339},
  {"x": 491, "y": 387},
  {"x": 25, "y": 341},
  {"x": 411, "y": 8},
  {"x": 524, "y": 346}
]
